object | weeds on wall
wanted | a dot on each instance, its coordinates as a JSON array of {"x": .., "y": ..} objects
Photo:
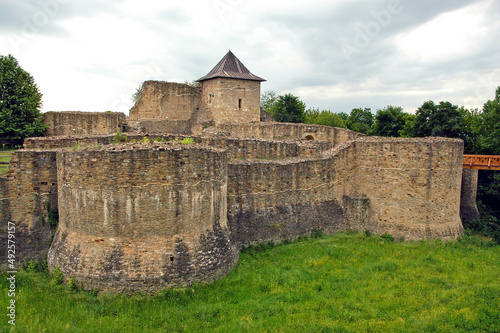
[
  {"x": 76, "y": 146},
  {"x": 120, "y": 138},
  {"x": 53, "y": 218},
  {"x": 186, "y": 141}
]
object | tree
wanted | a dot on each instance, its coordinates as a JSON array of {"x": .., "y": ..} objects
[
  {"x": 288, "y": 109},
  {"x": 267, "y": 100},
  {"x": 361, "y": 120},
  {"x": 390, "y": 121},
  {"x": 20, "y": 102},
  {"x": 489, "y": 140},
  {"x": 444, "y": 120},
  {"x": 325, "y": 117}
]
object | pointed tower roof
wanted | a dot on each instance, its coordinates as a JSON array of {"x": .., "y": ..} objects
[{"x": 230, "y": 67}]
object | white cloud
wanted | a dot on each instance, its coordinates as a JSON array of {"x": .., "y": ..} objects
[{"x": 448, "y": 36}]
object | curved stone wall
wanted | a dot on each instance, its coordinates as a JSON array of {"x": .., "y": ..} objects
[{"x": 135, "y": 218}]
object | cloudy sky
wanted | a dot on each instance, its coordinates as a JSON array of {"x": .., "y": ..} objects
[{"x": 338, "y": 54}]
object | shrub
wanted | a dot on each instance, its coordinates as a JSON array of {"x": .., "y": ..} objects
[
  {"x": 57, "y": 277},
  {"x": 388, "y": 237},
  {"x": 120, "y": 138},
  {"x": 72, "y": 284},
  {"x": 317, "y": 233},
  {"x": 53, "y": 217}
]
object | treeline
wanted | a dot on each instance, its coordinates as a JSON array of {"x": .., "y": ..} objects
[{"x": 480, "y": 130}]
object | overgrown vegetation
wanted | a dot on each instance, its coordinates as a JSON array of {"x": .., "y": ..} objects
[
  {"x": 186, "y": 141},
  {"x": 480, "y": 131},
  {"x": 342, "y": 283},
  {"x": 53, "y": 218},
  {"x": 120, "y": 137}
]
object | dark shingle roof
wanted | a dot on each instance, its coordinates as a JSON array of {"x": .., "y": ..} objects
[{"x": 232, "y": 68}]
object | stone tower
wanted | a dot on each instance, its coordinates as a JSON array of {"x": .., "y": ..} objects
[{"x": 230, "y": 93}]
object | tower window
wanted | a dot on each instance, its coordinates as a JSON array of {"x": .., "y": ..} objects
[
  {"x": 210, "y": 98},
  {"x": 240, "y": 102}
]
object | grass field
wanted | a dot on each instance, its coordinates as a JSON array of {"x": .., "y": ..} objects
[
  {"x": 5, "y": 156},
  {"x": 341, "y": 283}
]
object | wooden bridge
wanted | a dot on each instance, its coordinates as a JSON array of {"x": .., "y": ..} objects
[{"x": 482, "y": 162}]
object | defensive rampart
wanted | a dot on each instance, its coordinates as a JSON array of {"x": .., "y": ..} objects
[
  {"x": 134, "y": 218},
  {"x": 27, "y": 193},
  {"x": 83, "y": 123},
  {"x": 413, "y": 185},
  {"x": 160, "y": 100},
  {"x": 159, "y": 213},
  {"x": 287, "y": 131}
]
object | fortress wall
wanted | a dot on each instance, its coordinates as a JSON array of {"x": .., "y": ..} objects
[
  {"x": 27, "y": 193},
  {"x": 136, "y": 218},
  {"x": 83, "y": 123},
  {"x": 284, "y": 200},
  {"x": 412, "y": 185},
  {"x": 284, "y": 131},
  {"x": 4, "y": 208},
  {"x": 160, "y": 100},
  {"x": 222, "y": 97},
  {"x": 260, "y": 149},
  {"x": 237, "y": 148},
  {"x": 63, "y": 142},
  {"x": 166, "y": 126}
]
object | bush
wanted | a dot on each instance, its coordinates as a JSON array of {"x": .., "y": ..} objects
[
  {"x": 387, "y": 238},
  {"x": 53, "y": 217},
  {"x": 120, "y": 138},
  {"x": 57, "y": 277},
  {"x": 37, "y": 266},
  {"x": 317, "y": 233}
]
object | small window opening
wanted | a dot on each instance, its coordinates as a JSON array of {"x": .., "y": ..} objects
[
  {"x": 210, "y": 98},
  {"x": 239, "y": 103},
  {"x": 309, "y": 137},
  {"x": 171, "y": 258}
]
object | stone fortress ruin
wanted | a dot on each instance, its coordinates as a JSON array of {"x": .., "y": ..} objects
[{"x": 202, "y": 172}]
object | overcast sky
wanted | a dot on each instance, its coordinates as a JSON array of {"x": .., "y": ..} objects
[{"x": 92, "y": 55}]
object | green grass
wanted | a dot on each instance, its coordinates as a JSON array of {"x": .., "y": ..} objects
[
  {"x": 341, "y": 283},
  {"x": 4, "y": 168}
]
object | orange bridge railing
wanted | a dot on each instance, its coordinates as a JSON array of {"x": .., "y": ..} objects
[{"x": 482, "y": 162}]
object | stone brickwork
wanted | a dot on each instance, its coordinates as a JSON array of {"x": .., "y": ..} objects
[
  {"x": 288, "y": 131},
  {"x": 413, "y": 185},
  {"x": 27, "y": 193},
  {"x": 468, "y": 205},
  {"x": 83, "y": 123},
  {"x": 134, "y": 218},
  {"x": 160, "y": 100},
  {"x": 232, "y": 100}
]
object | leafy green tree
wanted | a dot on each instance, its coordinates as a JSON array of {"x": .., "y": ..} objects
[
  {"x": 489, "y": 140},
  {"x": 268, "y": 99},
  {"x": 443, "y": 119},
  {"x": 389, "y": 121},
  {"x": 471, "y": 120},
  {"x": 324, "y": 117},
  {"x": 20, "y": 102},
  {"x": 288, "y": 109},
  {"x": 361, "y": 120}
]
